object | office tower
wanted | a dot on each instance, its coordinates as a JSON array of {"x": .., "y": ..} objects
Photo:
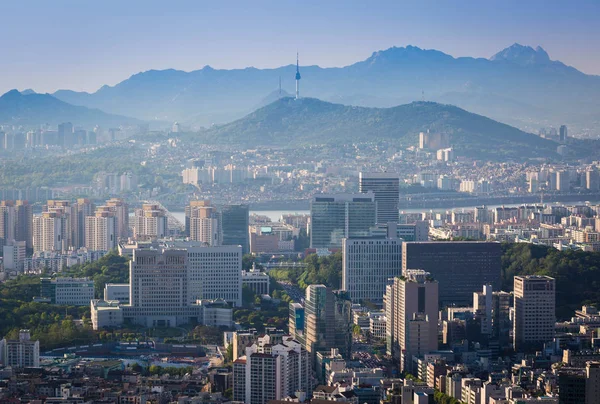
[
  {"x": 150, "y": 223},
  {"x": 271, "y": 371},
  {"x": 563, "y": 181},
  {"x": 338, "y": 216},
  {"x": 482, "y": 307},
  {"x": 68, "y": 291},
  {"x": 83, "y": 208},
  {"x": 234, "y": 226},
  {"x": 502, "y": 303},
  {"x": 215, "y": 273},
  {"x": 534, "y": 318},
  {"x": 21, "y": 353},
  {"x": 296, "y": 321},
  {"x": 14, "y": 253},
  {"x": 202, "y": 223},
  {"x": 327, "y": 321},
  {"x": 121, "y": 209},
  {"x": 65, "y": 133},
  {"x": 101, "y": 230},
  {"x": 414, "y": 301},
  {"x": 562, "y": 137},
  {"x": 159, "y": 294},
  {"x": 460, "y": 267},
  {"x": 368, "y": 263},
  {"x": 49, "y": 231},
  {"x": 592, "y": 179},
  {"x": 386, "y": 188}
]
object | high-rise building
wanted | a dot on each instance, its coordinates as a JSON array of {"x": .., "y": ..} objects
[
  {"x": 21, "y": 353},
  {"x": 215, "y": 273},
  {"x": 167, "y": 284},
  {"x": 562, "y": 137},
  {"x": 83, "y": 208},
  {"x": 65, "y": 133},
  {"x": 101, "y": 230},
  {"x": 414, "y": 302},
  {"x": 296, "y": 321},
  {"x": 338, "y": 216},
  {"x": 7, "y": 222},
  {"x": 386, "y": 188},
  {"x": 121, "y": 209},
  {"x": 592, "y": 179},
  {"x": 327, "y": 321},
  {"x": 271, "y": 371},
  {"x": 368, "y": 263},
  {"x": 49, "y": 232},
  {"x": 534, "y": 318},
  {"x": 234, "y": 226},
  {"x": 16, "y": 222},
  {"x": 202, "y": 223},
  {"x": 150, "y": 223},
  {"x": 433, "y": 141},
  {"x": 460, "y": 267},
  {"x": 482, "y": 307},
  {"x": 68, "y": 214}
]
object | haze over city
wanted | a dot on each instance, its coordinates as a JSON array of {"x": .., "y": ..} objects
[{"x": 300, "y": 202}]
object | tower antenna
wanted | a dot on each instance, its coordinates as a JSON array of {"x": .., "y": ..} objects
[{"x": 297, "y": 76}]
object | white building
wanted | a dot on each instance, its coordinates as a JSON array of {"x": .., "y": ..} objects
[
  {"x": 271, "y": 372},
  {"x": 257, "y": 281},
  {"x": 49, "y": 232},
  {"x": 106, "y": 314},
  {"x": 14, "y": 255},
  {"x": 368, "y": 263},
  {"x": 101, "y": 230},
  {"x": 68, "y": 291},
  {"x": 150, "y": 223},
  {"x": 21, "y": 353},
  {"x": 117, "y": 291}
]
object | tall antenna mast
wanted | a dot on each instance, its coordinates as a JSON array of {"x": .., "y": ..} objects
[{"x": 297, "y": 77}]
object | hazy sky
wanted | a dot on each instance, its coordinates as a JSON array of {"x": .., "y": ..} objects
[{"x": 82, "y": 45}]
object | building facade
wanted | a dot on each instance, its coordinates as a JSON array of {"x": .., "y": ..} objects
[
  {"x": 535, "y": 318},
  {"x": 386, "y": 188},
  {"x": 21, "y": 353}
]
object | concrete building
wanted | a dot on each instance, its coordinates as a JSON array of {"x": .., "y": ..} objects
[
  {"x": 106, "y": 314},
  {"x": 14, "y": 254},
  {"x": 296, "y": 321},
  {"x": 82, "y": 209},
  {"x": 68, "y": 291},
  {"x": 117, "y": 291},
  {"x": 49, "y": 232},
  {"x": 414, "y": 298},
  {"x": 121, "y": 210},
  {"x": 101, "y": 231},
  {"x": 202, "y": 223},
  {"x": 535, "y": 304},
  {"x": 16, "y": 222},
  {"x": 256, "y": 280},
  {"x": 150, "y": 223},
  {"x": 563, "y": 181},
  {"x": 271, "y": 371},
  {"x": 386, "y": 189},
  {"x": 368, "y": 263},
  {"x": 21, "y": 353},
  {"x": 592, "y": 179},
  {"x": 460, "y": 267},
  {"x": 337, "y": 216}
]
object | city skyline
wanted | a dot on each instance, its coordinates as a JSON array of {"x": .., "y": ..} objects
[{"x": 104, "y": 44}]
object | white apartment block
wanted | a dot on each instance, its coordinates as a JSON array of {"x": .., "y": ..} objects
[
  {"x": 150, "y": 222},
  {"x": 535, "y": 318},
  {"x": 48, "y": 232},
  {"x": 14, "y": 255},
  {"x": 101, "y": 230},
  {"x": 367, "y": 264},
  {"x": 21, "y": 353}
]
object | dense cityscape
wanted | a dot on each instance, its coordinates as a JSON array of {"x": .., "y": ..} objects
[{"x": 410, "y": 227}]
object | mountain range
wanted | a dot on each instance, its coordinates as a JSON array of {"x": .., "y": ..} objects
[
  {"x": 288, "y": 121},
  {"x": 30, "y": 108},
  {"x": 519, "y": 85}
]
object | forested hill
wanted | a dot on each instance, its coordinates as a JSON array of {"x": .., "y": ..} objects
[{"x": 308, "y": 120}]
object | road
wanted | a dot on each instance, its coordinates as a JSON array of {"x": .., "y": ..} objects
[{"x": 293, "y": 291}]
